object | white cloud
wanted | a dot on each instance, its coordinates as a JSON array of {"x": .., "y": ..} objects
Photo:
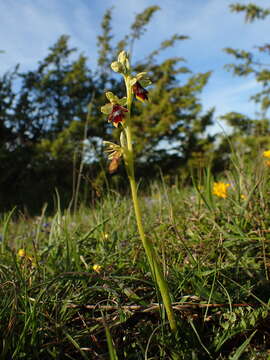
[{"x": 231, "y": 96}]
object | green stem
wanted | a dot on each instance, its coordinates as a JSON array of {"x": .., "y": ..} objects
[{"x": 147, "y": 244}]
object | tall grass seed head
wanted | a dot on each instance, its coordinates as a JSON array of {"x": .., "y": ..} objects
[{"x": 220, "y": 189}]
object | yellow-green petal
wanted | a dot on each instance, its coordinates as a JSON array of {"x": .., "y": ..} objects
[
  {"x": 133, "y": 81},
  {"x": 145, "y": 82},
  {"x": 122, "y": 101},
  {"x": 106, "y": 109},
  {"x": 110, "y": 96},
  {"x": 141, "y": 75}
]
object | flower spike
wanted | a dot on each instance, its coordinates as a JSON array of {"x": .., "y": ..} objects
[{"x": 117, "y": 112}]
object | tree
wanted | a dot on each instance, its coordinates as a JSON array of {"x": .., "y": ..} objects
[
  {"x": 251, "y": 135},
  {"x": 47, "y": 113},
  {"x": 45, "y": 120},
  {"x": 249, "y": 63}
]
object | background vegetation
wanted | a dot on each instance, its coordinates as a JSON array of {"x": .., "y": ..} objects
[{"x": 51, "y": 121}]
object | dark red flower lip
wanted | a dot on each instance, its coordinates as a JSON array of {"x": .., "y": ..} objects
[
  {"x": 117, "y": 114},
  {"x": 140, "y": 92}
]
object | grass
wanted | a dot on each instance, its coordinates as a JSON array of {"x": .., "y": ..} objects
[{"x": 215, "y": 257}]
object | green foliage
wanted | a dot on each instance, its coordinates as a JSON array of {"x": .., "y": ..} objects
[
  {"x": 54, "y": 304},
  {"x": 141, "y": 20},
  {"x": 249, "y": 136},
  {"x": 173, "y": 115},
  {"x": 252, "y": 11},
  {"x": 104, "y": 40},
  {"x": 249, "y": 64},
  {"x": 239, "y": 122},
  {"x": 49, "y": 98},
  {"x": 42, "y": 127}
]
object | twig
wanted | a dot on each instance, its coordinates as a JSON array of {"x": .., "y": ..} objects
[{"x": 155, "y": 306}]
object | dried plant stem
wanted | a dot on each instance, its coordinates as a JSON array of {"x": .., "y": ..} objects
[{"x": 180, "y": 306}]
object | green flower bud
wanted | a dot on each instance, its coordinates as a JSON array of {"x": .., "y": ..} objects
[
  {"x": 117, "y": 67},
  {"x": 122, "y": 57},
  {"x": 127, "y": 66},
  {"x": 123, "y": 140},
  {"x": 124, "y": 66}
]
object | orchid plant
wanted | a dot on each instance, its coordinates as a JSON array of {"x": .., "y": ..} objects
[{"x": 119, "y": 114}]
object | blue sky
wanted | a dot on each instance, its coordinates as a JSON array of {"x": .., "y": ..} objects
[{"x": 29, "y": 27}]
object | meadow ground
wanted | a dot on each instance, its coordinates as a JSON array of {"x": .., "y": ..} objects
[{"x": 78, "y": 285}]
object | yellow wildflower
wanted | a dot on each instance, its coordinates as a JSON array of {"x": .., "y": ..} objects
[
  {"x": 266, "y": 154},
  {"x": 220, "y": 189},
  {"x": 267, "y": 163},
  {"x": 25, "y": 258},
  {"x": 21, "y": 253},
  {"x": 97, "y": 268},
  {"x": 243, "y": 197}
]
